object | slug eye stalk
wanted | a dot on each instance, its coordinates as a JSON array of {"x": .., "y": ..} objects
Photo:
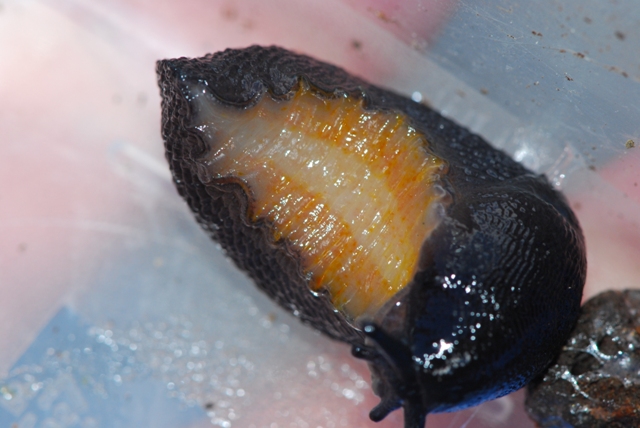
[{"x": 454, "y": 271}]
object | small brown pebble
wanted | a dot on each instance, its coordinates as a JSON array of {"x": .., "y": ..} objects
[
  {"x": 630, "y": 144},
  {"x": 594, "y": 382}
]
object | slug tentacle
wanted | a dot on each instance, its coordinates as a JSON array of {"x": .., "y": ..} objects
[
  {"x": 414, "y": 416},
  {"x": 396, "y": 380},
  {"x": 396, "y": 354},
  {"x": 452, "y": 269},
  {"x": 386, "y": 406}
]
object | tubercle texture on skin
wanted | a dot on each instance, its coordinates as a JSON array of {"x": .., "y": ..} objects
[{"x": 499, "y": 281}]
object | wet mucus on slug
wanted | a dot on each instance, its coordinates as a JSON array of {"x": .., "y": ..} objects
[{"x": 495, "y": 286}]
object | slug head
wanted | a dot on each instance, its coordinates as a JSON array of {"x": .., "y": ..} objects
[{"x": 497, "y": 293}]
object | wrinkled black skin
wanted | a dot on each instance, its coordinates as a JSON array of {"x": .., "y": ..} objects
[{"x": 506, "y": 229}]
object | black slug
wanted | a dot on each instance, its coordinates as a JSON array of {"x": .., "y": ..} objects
[{"x": 453, "y": 270}]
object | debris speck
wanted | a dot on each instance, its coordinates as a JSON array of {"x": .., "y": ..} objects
[
  {"x": 484, "y": 91},
  {"x": 229, "y": 13},
  {"x": 535, "y": 33},
  {"x": 630, "y": 144},
  {"x": 620, "y": 35},
  {"x": 382, "y": 16},
  {"x": 617, "y": 70}
]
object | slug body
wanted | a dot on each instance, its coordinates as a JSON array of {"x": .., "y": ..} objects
[{"x": 453, "y": 270}]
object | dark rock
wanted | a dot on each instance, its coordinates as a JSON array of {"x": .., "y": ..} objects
[{"x": 595, "y": 381}]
